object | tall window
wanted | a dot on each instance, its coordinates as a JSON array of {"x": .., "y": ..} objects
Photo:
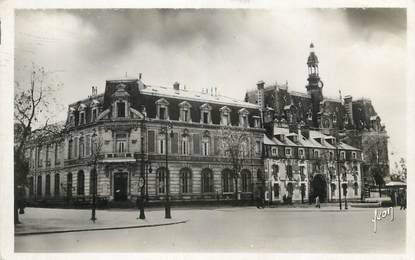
[
  {"x": 92, "y": 182},
  {"x": 121, "y": 141},
  {"x": 276, "y": 189},
  {"x": 39, "y": 185},
  {"x": 185, "y": 180},
  {"x": 227, "y": 180},
  {"x": 39, "y": 156},
  {"x": 81, "y": 148},
  {"x": 184, "y": 148},
  {"x": 69, "y": 185},
  {"x": 342, "y": 155},
  {"x": 47, "y": 155},
  {"x": 81, "y": 117},
  {"x": 343, "y": 173},
  {"x": 81, "y": 183},
  {"x": 302, "y": 174},
  {"x": 246, "y": 177},
  {"x": 205, "y": 146},
  {"x": 274, "y": 151},
  {"x": 301, "y": 153},
  {"x": 356, "y": 188},
  {"x": 120, "y": 109},
  {"x": 57, "y": 148},
  {"x": 30, "y": 186},
  {"x": 225, "y": 115},
  {"x": 258, "y": 147},
  {"x": 47, "y": 185},
  {"x": 290, "y": 189},
  {"x": 243, "y": 117},
  {"x": 289, "y": 172},
  {"x": 94, "y": 114},
  {"x": 70, "y": 148},
  {"x": 207, "y": 180},
  {"x": 57, "y": 185},
  {"x": 162, "y": 113},
  {"x": 275, "y": 170},
  {"x": 162, "y": 146},
  {"x": 205, "y": 117},
  {"x": 185, "y": 111},
  {"x": 333, "y": 189},
  {"x": 161, "y": 180}
]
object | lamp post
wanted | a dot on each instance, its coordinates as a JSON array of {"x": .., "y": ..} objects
[
  {"x": 338, "y": 168},
  {"x": 167, "y": 204},
  {"x": 94, "y": 177},
  {"x": 141, "y": 180}
]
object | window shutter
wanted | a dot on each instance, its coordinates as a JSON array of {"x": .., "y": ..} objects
[
  {"x": 196, "y": 143},
  {"x": 174, "y": 143},
  {"x": 151, "y": 141}
]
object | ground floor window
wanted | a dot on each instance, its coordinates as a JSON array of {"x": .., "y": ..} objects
[
  {"x": 207, "y": 180},
  {"x": 290, "y": 189},
  {"x": 81, "y": 183},
  {"x": 39, "y": 185},
  {"x": 69, "y": 185},
  {"x": 31, "y": 186},
  {"x": 246, "y": 178},
  {"x": 333, "y": 189},
  {"x": 356, "y": 188},
  {"x": 161, "y": 180},
  {"x": 185, "y": 180},
  {"x": 276, "y": 189},
  {"x": 57, "y": 184},
  {"x": 227, "y": 181},
  {"x": 47, "y": 185}
]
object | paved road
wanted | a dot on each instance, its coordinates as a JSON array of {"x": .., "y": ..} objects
[{"x": 240, "y": 230}]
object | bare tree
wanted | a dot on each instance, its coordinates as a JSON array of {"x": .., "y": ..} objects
[
  {"x": 96, "y": 156},
  {"x": 239, "y": 148},
  {"x": 34, "y": 103},
  {"x": 376, "y": 156}
]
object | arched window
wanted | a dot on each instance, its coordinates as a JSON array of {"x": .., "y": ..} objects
[
  {"x": 39, "y": 185},
  {"x": 69, "y": 185},
  {"x": 227, "y": 180},
  {"x": 290, "y": 189},
  {"x": 57, "y": 185},
  {"x": 275, "y": 170},
  {"x": 185, "y": 180},
  {"x": 81, "y": 183},
  {"x": 289, "y": 172},
  {"x": 207, "y": 180},
  {"x": 246, "y": 177},
  {"x": 356, "y": 188},
  {"x": 161, "y": 180},
  {"x": 47, "y": 185}
]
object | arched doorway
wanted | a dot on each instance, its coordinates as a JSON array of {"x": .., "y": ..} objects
[{"x": 319, "y": 185}]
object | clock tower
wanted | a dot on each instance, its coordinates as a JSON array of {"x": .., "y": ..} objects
[{"x": 314, "y": 86}]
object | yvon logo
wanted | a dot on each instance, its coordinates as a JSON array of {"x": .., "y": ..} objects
[{"x": 382, "y": 214}]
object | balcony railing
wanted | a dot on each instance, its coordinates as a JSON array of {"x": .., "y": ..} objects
[{"x": 119, "y": 155}]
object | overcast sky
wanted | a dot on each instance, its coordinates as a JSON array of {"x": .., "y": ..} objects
[{"x": 362, "y": 52}]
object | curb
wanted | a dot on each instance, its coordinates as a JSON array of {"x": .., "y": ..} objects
[{"x": 97, "y": 229}]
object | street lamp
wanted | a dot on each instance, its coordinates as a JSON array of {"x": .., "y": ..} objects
[
  {"x": 141, "y": 180},
  {"x": 338, "y": 168},
  {"x": 94, "y": 177},
  {"x": 167, "y": 204}
]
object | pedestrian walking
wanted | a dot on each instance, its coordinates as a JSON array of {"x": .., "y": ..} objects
[{"x": 318, "y": 202}]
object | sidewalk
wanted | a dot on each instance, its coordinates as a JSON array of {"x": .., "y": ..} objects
[{"x": 46, "y": 220}]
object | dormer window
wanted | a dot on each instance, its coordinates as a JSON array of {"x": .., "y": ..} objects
[
  {"x": 205, "y": 117},
  {"x": 343, "y": 155},
  {"x": 301, "y": 152},
  {"x": 121, "y": 109},
  {"x": 354, "y": 155},
  {"x": 82, "y": 117},
  {"x": 316, "y": 154},
  {"x": 94, "y": 114},
  {"x": 225, "y": 115},
  {"x": 288, "y": 151},
  {"x": 243, "y": 117},
  {"x": 185, "y": 111},
  {"x": 274, "y": 151},
  {"x": 162, "y": 109}
]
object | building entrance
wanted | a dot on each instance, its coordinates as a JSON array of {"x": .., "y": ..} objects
[
  {"x": 120, "y": 186},
  {"x": 319, "y": 186}
]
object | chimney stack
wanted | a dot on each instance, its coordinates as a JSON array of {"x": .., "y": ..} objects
[
  {"x": 176, "y": 85},
  {"x": 139, "y": 76}
]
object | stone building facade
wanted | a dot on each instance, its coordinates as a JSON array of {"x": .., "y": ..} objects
[
  {"x": 354, "y": 122},
  {"x": 136, "y": 130}
]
